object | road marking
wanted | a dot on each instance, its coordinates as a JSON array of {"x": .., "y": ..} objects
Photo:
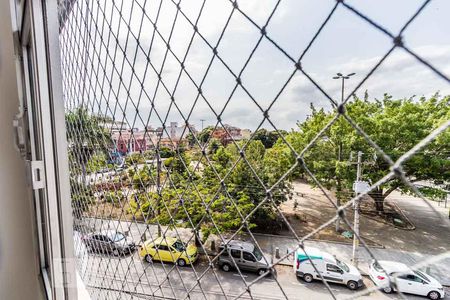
[{"x": 236, "y": 274}]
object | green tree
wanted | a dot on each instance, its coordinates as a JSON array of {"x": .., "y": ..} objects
[
  {"x": 133, "y": 159},
  {"x": 165, "y": 152},
  {"x": 97, "y": 162},
  {"x": 143, "y": 178},
  {"x": 191, "y": 139},
  {"x": 267, "y": 138},
  {"x": 85, "y": 137},
  {"x": 396, "y": 125},
  {"x": 213, "y": 145},
  {"x": 206, "y": 200},
  {"x": 204, "y": 135},
  {"x": 242, "y": 185}
]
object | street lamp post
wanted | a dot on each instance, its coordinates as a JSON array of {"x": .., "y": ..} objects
[
  {"x": 339, "y": 188},
  {"x": 342, "y": 77}
]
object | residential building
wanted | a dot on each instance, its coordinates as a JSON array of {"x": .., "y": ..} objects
[
  {"x": 246, "y": 134},
  {"x": 114, "y": 126},
  {"x": 227, "y": 134},
  {"x": 176, "y": 132},
  {"x": 129, "y": 141}
]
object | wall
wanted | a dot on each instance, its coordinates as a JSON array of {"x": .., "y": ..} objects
[{"x": 18, "y": 267}]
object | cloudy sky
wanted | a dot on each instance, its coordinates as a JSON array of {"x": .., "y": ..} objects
[{"x": 346, "y": 44}]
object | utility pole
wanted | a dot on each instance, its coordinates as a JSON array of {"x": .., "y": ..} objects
[
  {"x": 356, "y": 209},
  {"x": 202, "y": 120},
  {"x": 158, "y": 185},
  {"x": 339, "y": 186}
]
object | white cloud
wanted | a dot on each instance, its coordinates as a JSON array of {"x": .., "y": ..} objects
[{"x": 400, "y": 75}]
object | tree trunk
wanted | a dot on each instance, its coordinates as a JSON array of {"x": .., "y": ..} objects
[
  {"x": 197, "y": 239},
  {"x": 378, "y": 198}
]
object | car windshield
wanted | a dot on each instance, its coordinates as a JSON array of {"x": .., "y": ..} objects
[
  {"x": 179, "y": 246},
  {"x": 117, "y": 237},
  {"x": 257, "y": 254},
  {"x": 377, "y": 266},
  {"x": 422, "y": 276},
  {"x": 342, "y": 265}
]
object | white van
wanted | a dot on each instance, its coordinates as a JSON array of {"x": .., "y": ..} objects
[{"x": 329, "y": 267}]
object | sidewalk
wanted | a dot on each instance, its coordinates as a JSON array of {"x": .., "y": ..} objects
[
  {"x": 431, "y": 236},
  {"x": 420, "y": 211}
]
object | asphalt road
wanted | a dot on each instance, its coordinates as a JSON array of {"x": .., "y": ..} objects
[
  {"x": 108, "y": 277},
  {"x": 439, "y": 270}
]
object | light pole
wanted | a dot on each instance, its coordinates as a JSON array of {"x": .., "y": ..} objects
[
  {"x": 342, "y": 77},
  {"x": 339, "y": 187}
]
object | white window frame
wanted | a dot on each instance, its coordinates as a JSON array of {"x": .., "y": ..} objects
[{"x": 36, "y": 32}]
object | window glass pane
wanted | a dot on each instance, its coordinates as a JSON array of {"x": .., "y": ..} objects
[
  {"x": 118, "y": 237},
  {"x": 236, "y": 253},
  {"x": 342, "y": 265},
  {"x": 248, "y": 256},
  {"x": 257, "y": 254},
  {"x": 422, "y": 276},
  {"x": 333, "y": 268},
  {"x": 178, "y": 245}
]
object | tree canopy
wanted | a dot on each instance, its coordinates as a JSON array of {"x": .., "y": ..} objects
[
  {"x": 88, "y": 145},
  {"x": 226, "y": 187},
  {"x": 396, "y": 125},
  {"x": 267, "y": 138}
]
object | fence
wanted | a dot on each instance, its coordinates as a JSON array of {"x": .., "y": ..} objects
[{"x": 124, "y": 67}]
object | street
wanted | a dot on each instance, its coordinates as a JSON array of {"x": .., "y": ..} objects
[{"x": 130, "y": 277}]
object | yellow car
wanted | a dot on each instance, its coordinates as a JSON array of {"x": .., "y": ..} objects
[{"x": 168, "y": 249}]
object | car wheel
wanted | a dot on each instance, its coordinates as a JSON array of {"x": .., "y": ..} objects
[
  {"x": 226, "y": 267},
  {"x": 434, "y": 295},
  {"x": 387, "y": 290},
  {"x": 261, "y": 272},
  {"x": 353, "y": 285},
  {"x": 148, "y": 258},
  {"x": 308, "y": 278},
  {"x": 181, "y": 262}
]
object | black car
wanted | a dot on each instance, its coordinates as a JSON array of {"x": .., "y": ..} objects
[{"x": 109, "y": 241}]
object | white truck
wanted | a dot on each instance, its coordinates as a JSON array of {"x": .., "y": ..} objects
[{"x": 326, "y": 266}]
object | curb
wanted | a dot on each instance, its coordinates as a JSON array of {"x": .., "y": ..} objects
[
  {"x": 399, "y": 211},
  {"x": 377, "y": 245},
  {"x": 404, "y": 216}
]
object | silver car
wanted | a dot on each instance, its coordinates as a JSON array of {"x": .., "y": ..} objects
[
  {"x": 245, "y": 255},
  {"x": 109, "y": 241}
]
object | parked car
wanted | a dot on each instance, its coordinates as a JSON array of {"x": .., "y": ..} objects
[
  {"x": 170, "y": 250},
  {"x": 407, "y": 280},
  {"x": 109, "y": 241},
  {"x": 246, "y": 256},
  {"x": 331, "y": 268}
]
